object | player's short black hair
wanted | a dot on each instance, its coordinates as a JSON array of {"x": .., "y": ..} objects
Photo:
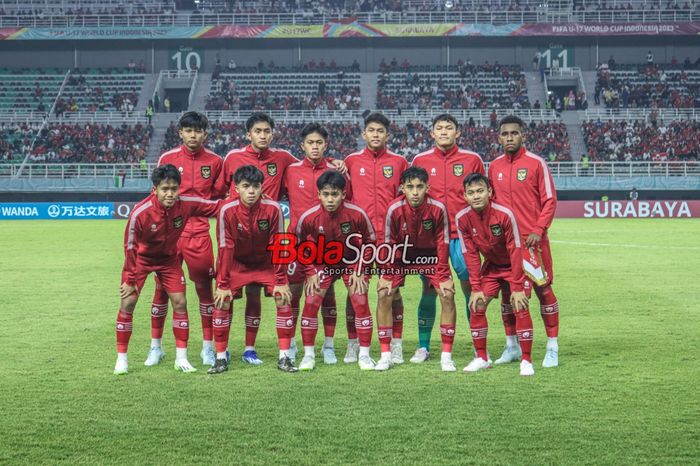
[
  {"x": 445, "y": 117},
  {"x": 248, "y": 173},
  {"x": 377, "y": 117},
  {"x": 165, "y": 172},
  {"x": 511, "y": 119},
  {"x": 314, "y": 128},
  {"x": 475, "y": 178},
  {"x": 414, "y": 172},
  {"x": 331, "y": 178},
  {"x": 194, "y": 120},
  {"x": 259, "y": 117}
]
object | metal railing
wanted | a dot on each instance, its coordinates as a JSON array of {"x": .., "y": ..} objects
[
  {"x": 100, "y": 117},
  {"x": 563, "y": 169},
  {"x": 388, "y": 17},
  {"x": 632, "y": 114}
]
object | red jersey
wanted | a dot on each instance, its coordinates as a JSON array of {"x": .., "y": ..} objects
[
  {"x": 199, "y": 171},
  {"x": 336, "y": 226},
  {"x": 272, "y": 162},
  {"x": 243, "y": 234},
  {"x": 524, "y": 184},
  {"x": 426, "y": 226},
  {"x": 446, "y": 172},
  {"x": 375, "y": 178},
  {"x": 300, "y": 180},
  {"x": 152, "y": 231},
  {"x": 494, "y": 233}
]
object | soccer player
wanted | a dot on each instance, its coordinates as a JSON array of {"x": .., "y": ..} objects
[
  {"x": 336, "y": 220},
  {"x": 199, "y": 168},
  {"x": 491, "y": 229},
  {"x": 272, "y": 163},
  {"x": 300, "y": 181},
  {"x": 375, "y": 174},
  {"x": 522, "y": 182},
  {"x": 151, "y": 245},
  {"x": 417, "y": 219},
  {"x": 245, "y": 227},
  {"x": 446, "y": 165}
]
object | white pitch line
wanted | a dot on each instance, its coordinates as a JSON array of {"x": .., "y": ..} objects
[{"x": 635, "y": 246}]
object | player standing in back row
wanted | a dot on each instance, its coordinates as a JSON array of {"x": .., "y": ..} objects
[
  {"x": 522, "y": 182},
  {"x": 199, "y": 168}
]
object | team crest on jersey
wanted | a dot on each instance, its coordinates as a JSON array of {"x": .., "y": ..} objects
[
  {"x": 345, "y": 228},
  {"x": 205, "y": 171},
  {"x": 458, "y": 169},
  {"x": 428, "y": 224},
  {"x": 522, "y": 174},
  {"x": 388, "y": 171},
  {"x": 264, "y": 224},
  {"x": 178, "y": 222},
  {"x": 496, "y": 229},
  {"x": 271, "y": 169}
]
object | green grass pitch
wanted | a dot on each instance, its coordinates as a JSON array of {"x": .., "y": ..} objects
[{"x": 626, "y": 391}]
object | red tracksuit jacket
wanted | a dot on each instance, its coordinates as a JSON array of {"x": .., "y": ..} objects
[
  {"x": 272, "y": 162},
  {"x": 300, "y": 180},
  {"x": 336, "y": 226},
  {"x": 243, "y": 234},
  {"x": 152, "y": 232},
  {"x": 446, "y": 172},
  {"x": 524, "y": 184},
  {"x": 494, "y": 233},
  {"x": 199, "y": 172},
  {"x": 375, "y": 179},
  {"x": 427, "y": 228}
]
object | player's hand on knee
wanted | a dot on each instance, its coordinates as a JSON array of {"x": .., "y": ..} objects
[
  {"x": 221, "y": 298},
  {"x": 357, "y": 284},
  {"x": 384, "y": 287},
  {"x": 283, "y": 293},
  {"x": 519, "y": 301},
  {"x": 476, "y": 301},
  {"x": 126, "y": 290},
  {"x": 312, "y": 285},
  {"x": 447, "y": 288}
]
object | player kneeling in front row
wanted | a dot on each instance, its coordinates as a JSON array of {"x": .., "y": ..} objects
[
  {"x": 344, "y": 224},
  {"x": 417, "y": 219},
  {"x": 490, "y": 229},
  {"x": 245, "y": 227},
  {"x": 150, "y": 245}
]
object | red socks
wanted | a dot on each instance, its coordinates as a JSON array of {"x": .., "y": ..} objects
[
  {"x": 480, "y": 329},
  {"x": 181, "y": 328},
  {"x": 252, "y": 315},
  {"x": 285, "y": 324},
  {"x": 385, "y": 334},
  {"x": 309, "y": 319},
  {"x": 397, "y": 314},
  {"x": 363, "y": 319},
  {"x": 549, "y": 309},
  {"x": 523, "y": 324},
  {"x": 329, "y": 314},
  {"x": 447, "y": 333},
  {"x": 124, "y": 328},
  {"x": 221, "y": 326},
  {"x": 350, "y": 319},
  {"x": 508, "y": 318}
]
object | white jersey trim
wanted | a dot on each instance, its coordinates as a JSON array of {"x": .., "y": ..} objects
[
  {"x": 132, "y": 224},
  {"x": 280, "y": 222},
  {"x": 545, "y": 170},
  {"x": 445, "y": 218},
  {"x": 510, "y": 214},
  {"x": 392, "y": 208},
  {"x": 460, "y": 214},
  {"x": 222, "y": 226},
  {"x": 373, "y": 236},
  {"x": 303, "y": 217}
]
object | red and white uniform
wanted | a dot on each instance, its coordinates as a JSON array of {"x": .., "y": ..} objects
[
  {"x": 272, "y": 162},
  {"x": 428, "y": 229},
  {"x": 151, "y": 239},
  {"x": 494, "y": 233},
  {"x": 375, "y": 178},
  {"x": 524, "y": 184},
  {"x": 199, "y": 171},
  {"x": 244, "y": 234},
  {"x": 446, "y": 172},
  {"x": 348, "y": 219},
  {"x": 300, "y": 180}
]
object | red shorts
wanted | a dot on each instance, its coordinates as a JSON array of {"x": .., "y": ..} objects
[
  {"x": 295, "y": 273},
  {"x": 547, "y": 259},
  {"x": 494, "y": 279},
  {"x": 199, "y": 257},
  {"x": 328, "y": 275},
  {"x": 433, "y": 278},
  {"x": 243, "y": 275},
  {"x": 170, "y": 276}
]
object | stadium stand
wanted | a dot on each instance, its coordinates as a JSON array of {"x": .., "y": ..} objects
[
  {"x": 29, "y": 89},
  {"x": 285, "y": 91},
  {"x": 16, "y": 140},
  {"x": 100, "y": 90},
  {"x": 83, "y": 7},
  {"x": 91, "y": 143},
  {"x": 649, "y": 85},
  {"x": 464, "y": 86},
  {"x": 640, "y": 140},
  {"x": 224, "y": 137}
]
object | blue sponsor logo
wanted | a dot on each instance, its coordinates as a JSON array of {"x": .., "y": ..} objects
[
  {"x": 285, "y": 208},
  {"x": 56, "y": 211}
]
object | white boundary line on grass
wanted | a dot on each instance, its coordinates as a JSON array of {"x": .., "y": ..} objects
[{"x": 637, "y": 246}]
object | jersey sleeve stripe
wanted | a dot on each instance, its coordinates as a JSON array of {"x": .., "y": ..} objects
[
  {"x": 222, "y": 226},
  {"x": 461, "y": 213},
  {"x": 280, "y": 222},
  {"x": 132, "y": 224},
  {"x": 387, "y": 226},
  {"x": 509, "y": 213},
  {"x": 545, "y": 171},
  {"x": 373, "y": 236},
  {"x": 445, "y": 218},
  {"x": 303, "y": 217}
]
